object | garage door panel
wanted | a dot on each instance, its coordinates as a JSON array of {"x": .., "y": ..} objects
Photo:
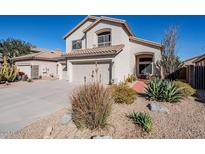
[{"x": 80, "y": 71}]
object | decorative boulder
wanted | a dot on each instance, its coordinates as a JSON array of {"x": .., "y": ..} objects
[
  {"x": 66, "y": 118},
  {"x": 157, "y": 108}
]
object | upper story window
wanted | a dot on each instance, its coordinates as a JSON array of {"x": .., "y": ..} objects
[
  {"x": 104, "y": 39},
  {"x": 77, "y": 44}
]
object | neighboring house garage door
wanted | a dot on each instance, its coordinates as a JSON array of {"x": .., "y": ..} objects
[
  {"x": 82, "y": 70},
  {"x": 26, "y": 69}
]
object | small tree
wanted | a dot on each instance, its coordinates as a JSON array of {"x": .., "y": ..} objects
[
  {"x": 8, "y": 72},
  {"x": 170, "y": 62},
  {"x": 14, "y": 47}
]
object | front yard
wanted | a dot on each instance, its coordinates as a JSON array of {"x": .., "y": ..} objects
[{"x": 186, "y": 119}]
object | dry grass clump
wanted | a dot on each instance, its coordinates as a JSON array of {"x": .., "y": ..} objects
[{"x": 91, "y": 106}]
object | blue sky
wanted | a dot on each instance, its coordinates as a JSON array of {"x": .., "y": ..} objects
[{"x": 48, "y": 31}]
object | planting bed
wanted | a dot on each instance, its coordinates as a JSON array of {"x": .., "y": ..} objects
[{"x": 185, "y": 120}]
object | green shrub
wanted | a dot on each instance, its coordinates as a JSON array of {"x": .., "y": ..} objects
[
  {"x": 29, "y": 80},
  {"x": 122, "y": 93},
  {"x": 91, "y": 106},
  {"x": 130, "y": 78},
  {"x": 142, "y": 119},
  {"x": 187, "y": 90},
  {"x": 163, "y": 90}
]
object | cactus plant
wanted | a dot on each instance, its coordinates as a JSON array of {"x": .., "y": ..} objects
[{"x": 8, "y": 72}]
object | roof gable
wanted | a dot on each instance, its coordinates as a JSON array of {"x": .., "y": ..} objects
[
  {"x": 88, "y": 18},
  {"x": 113, "y": 20}
]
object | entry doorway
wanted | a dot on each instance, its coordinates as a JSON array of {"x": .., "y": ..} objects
[{"x": 144, "y": 66}]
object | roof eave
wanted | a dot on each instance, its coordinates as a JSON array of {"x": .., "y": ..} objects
[
  {"x": 91, "y": 55},
  {"x": 147, "y": 42},
  {"x": 199, "y": 59}
]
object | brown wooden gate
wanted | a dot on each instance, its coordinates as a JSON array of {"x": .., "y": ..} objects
[
  {"x": 199, "y": 77},
  {"x": 34, "y": 71}
]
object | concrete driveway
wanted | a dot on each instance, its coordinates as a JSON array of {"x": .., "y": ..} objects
[{"x": 23, "y": 105}]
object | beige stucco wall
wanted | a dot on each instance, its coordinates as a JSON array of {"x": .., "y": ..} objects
[
  {"x": 125, "y": 62},
  {"x": 46, "y": 68},
  {"x": 78, "y": 34},
  {"x": 137, "y": 49},
  {"x": 117, "y": 34}
]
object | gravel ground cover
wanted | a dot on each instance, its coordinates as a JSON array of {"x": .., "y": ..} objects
[{"x": 185, "y": 120}]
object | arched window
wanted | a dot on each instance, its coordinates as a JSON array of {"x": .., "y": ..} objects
[{"x": 104, "y": 38}]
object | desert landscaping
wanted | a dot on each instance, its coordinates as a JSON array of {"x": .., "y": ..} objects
[{"x": 184, "y": 119}]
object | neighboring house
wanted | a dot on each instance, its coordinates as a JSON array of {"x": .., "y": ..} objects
[
  {"x": 111, "y": 44},
  {"x": 200, "y": 61},
  {"x": 44, "y": 63},
  {"x": 197, "y": 61},
  {"x": 33, "y": 50},
  {"x": 195, "y": 71}
]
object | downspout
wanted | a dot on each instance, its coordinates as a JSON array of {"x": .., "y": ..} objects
[{"x": 86, "y": 40}]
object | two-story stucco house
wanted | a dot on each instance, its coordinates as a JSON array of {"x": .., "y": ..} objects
[{"x": 111, "y": 43}]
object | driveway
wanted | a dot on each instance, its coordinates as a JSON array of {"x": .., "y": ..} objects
[{"x": 21, "y": 106}]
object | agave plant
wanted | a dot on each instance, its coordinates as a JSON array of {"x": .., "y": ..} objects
[
  {"x": 154, "y": 89},
  {"x": 163, "y": 90},
  {"x": 171, "y": 92},
  {"x": 142, "y": 119}
]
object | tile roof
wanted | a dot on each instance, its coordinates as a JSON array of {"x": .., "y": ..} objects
[
  {"x": 107, "y": 50},
  {"x": 192, "y": 60},
  {"x": 199, "y": 58},
  {"x": 35, "y": 50},
  {"x": 49, "y": 56}
]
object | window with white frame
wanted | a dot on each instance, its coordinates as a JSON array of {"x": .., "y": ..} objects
[
  {"x": 104, "y": 39},
  {"x": 77, "y": 44}
]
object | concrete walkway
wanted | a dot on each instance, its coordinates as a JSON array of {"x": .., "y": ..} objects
[{"x": 21, "y": 106}]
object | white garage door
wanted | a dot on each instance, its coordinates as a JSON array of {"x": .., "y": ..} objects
[
  {"x": 26, "y": 69},
  {"x": 80, "y": 71}
]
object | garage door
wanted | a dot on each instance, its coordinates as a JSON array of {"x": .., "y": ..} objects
[
  {"x": 80, "y": 71},
  {"x": 26, "y": 69}
]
